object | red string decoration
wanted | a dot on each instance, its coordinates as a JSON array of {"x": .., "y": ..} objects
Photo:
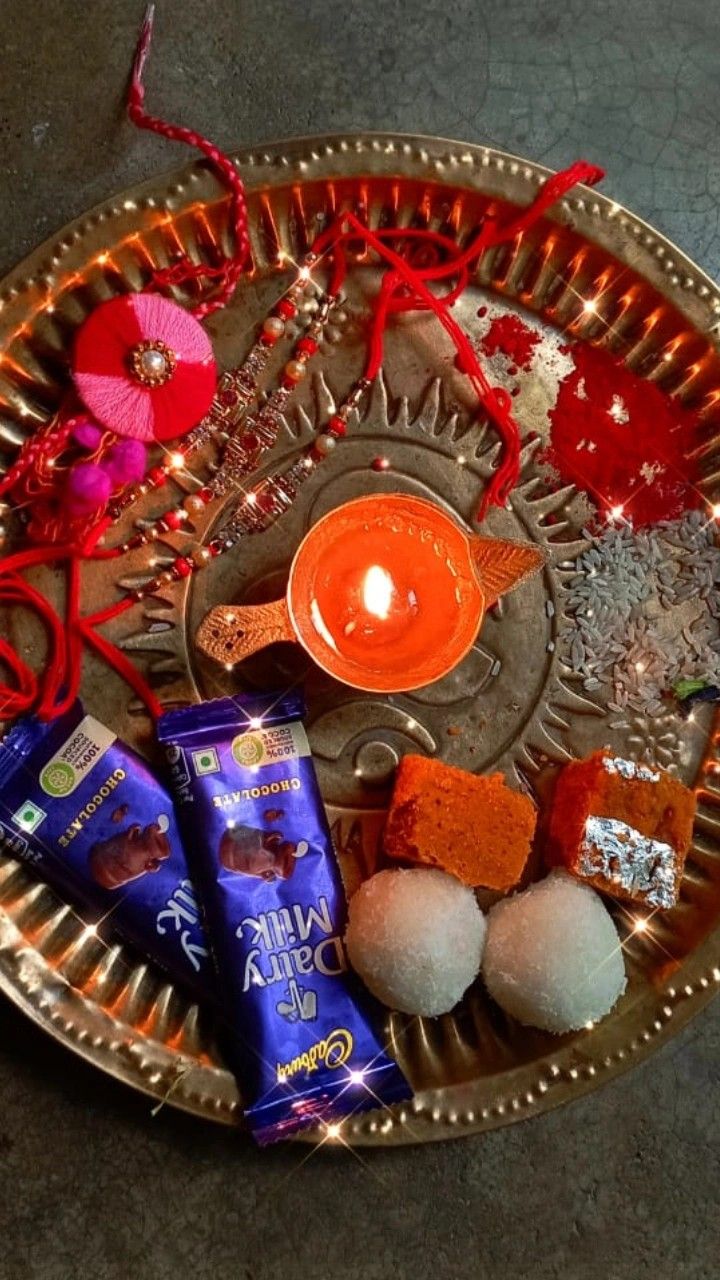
[
  {"x": 36, "y": 474},
  {"x": 229, "y": 272},
  {"x": 29, "y": 477},
  {"x": 405, "y": 288},
  {"x": 419, "y": 259}
]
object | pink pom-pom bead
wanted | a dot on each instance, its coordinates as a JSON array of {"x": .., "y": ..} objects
[
  {"x": 87, "y": 434},
  {"x": 88, "y": 488},
  {"x": 125, "y": 462}
]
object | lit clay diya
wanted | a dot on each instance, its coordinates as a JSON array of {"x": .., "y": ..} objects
[{"x": 386, "y": 593}]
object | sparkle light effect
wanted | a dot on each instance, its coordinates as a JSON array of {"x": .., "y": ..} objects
[
  {"x": 332, "y": 1133},
  {"x": 65, "y": 284},
  {"x": 256, "y": 722},
  {"x": 641, "y": 926}
]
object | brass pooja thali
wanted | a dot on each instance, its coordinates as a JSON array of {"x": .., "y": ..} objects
[{"x": 513, "y": 703}]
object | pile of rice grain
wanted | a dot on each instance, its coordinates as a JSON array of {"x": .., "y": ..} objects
[{"x": 645, "y": 611}]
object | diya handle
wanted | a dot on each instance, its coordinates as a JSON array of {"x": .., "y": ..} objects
[
  {"x": 501, "y": 566},
  {"x": 230, "y": 633}
]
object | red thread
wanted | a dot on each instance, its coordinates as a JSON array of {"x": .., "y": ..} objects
[
  {"x": 495, "y": 400},
  {"x": 50, "y": 693},
  {"x": 430, "y": 257},
  {"x": 25, "y": 691},
  {"x": 229, "y": 272},
  {"x": 116, "y": 659},
  {"x": 31, "y": 476},
  {"x": 405, "y": 288}
]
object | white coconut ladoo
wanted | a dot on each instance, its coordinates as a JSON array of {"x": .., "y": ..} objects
[
  {"x": 416, "y": 939},
  {"x": 553, "y": 958}
]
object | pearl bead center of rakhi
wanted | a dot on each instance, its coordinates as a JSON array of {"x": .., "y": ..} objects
[{"x": 152, "y": 362}]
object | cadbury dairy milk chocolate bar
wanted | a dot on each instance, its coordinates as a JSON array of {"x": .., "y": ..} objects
[
  {"x": 306, "y": 1045},
  {"x": 91, "y": 819}
]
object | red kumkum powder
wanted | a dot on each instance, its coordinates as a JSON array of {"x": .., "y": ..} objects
[
  {"x": 508, "y": 335},
  {"x": 623, "y": 439}
]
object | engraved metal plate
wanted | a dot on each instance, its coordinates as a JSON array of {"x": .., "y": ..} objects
[{"x": 511, "y": 704}]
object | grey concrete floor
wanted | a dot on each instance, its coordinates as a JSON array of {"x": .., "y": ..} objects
[{"x": 623, "y": 1184}]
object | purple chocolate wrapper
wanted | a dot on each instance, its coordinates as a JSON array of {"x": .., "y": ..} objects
[
  {"x": 306, "y": 1043},
  {"x": 91, "y": 819}
]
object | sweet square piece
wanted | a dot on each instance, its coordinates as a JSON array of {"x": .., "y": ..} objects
[
  {"x": 624, "y": 828},
  {"x": 473, "y": 826}
]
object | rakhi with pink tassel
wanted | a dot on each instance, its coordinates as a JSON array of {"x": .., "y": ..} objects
[{"x": 144, "y": 372}]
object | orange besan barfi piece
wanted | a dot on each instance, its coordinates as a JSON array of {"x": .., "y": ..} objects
[
  {"x": 474, "y": 826},
  {"x": 624, "y": 828}
]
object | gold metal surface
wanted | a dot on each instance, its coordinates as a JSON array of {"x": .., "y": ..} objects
[{"x": 513, "y": 702}]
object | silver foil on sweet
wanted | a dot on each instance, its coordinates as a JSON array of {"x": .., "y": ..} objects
[
  {"x": 629, "y": 769},
  {"x": 623, "y": 856}
]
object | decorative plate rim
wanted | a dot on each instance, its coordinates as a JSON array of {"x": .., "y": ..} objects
[{"x": 574, "y": 1070}]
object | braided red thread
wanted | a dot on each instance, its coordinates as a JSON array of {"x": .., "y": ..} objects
[
  {"x": 31, "y": 474},
  {"x": 230, "y": 271}
]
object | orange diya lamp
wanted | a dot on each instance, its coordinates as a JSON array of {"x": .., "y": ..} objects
[{"x": 386, "y": 593}]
